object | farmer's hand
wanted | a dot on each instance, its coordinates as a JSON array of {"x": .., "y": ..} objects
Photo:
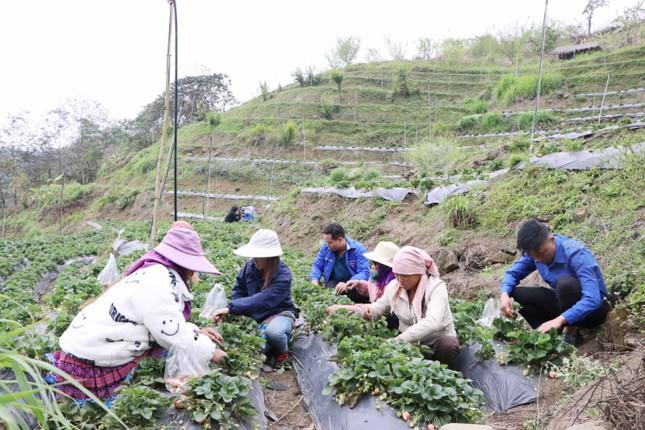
[
  {"x": 506, "y": 305},
  {"x": 212, "y": 334},
  {"x": 367, "y": 312},
  {"x": 360, "y": 286},
  {"x": 315, "y": 282},
  {"x": 555, "y": 323},
  {"x": 218, "y": 356},
  {"x": 341, "y": 288},
  {"x": 334, "y": 308},
  {"x": 219, "y": 314}
]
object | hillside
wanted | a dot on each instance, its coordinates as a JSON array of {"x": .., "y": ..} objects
[{"x": 421, "y": 125}]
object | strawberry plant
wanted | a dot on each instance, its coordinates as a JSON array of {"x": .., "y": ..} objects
[
  {"x": 219, "y": 401},
  {"x": 535, "y": 348},
  {"x": 150, "y": 373},
  {"x": 243, "y": 345},
  {"x": 138, "y": 407},
  {"x": 398, "y": 374}
]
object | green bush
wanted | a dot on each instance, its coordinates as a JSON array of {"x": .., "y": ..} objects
[
  {"x": 573, "y": 145},
  {"x": 524, "y": 121},
  {"x": 519, "y": 144},
  {"x": 492, "y": 122},
  {"x": 339, "y": 177},
  {"x": 460, "y": 212},
  {"x": 476, "y": 106},
  {"x": 511, "y": 88},
  {"x": 214, "y": 119},
  {"x": 401, "y": 88},
  {"x": 514, "y": 160},
  {"x": 468, "y": 123},
  {"x": 289, "y": 133},
  {"x": 328, "y": 109}
]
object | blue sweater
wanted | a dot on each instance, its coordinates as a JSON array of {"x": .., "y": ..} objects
[
  {"x": 573, "y": 259},
  {"x": 358, "y": 265},
  {"x": 251, "y": 300}
]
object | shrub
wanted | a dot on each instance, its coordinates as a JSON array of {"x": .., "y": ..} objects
[
  {"x": 468, "y": 123},
  {"x": 299, "y": 77},
  {"x": 436, "y": 155},
  {"x": 519, "y": 144},
  {"x": 492, "y": 122},
  {"x": 264, "y": 91},
  {"x": 337, "y": 76},
  {"x": 514, "y": 160},
  {"x": 460, "y": 212},
  {"x": 511, "y": 88},
  {"x": 525, "y": 120},
  {"x": 328, "y": 110},
  {"x": 401, "y": 88},
  {"x": 476, "y": 106},
  {"x": 289, "y": 133},
  {"x": 339, "y": 177},
  {"x": 214, "y": 119},
  {"x": 573, "y": 145}
]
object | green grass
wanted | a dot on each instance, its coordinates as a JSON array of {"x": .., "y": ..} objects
[{"x": 510, "y": 88}]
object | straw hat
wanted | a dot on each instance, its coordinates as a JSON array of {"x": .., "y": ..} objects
[
  {"x": 182, "y": 246},
  {"x": 263, "y": 244},
  {"x": 383, "y": 253}
]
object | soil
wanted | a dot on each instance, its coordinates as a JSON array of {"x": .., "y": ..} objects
[{"x": 287, "y": 406}]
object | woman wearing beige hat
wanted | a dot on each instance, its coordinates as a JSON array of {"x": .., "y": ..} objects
[
  {"x": 369, "y": 291},
  {"x": 262, "y": 291}
]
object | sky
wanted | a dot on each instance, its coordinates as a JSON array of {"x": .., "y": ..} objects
[{"x": 114, "y": 51}]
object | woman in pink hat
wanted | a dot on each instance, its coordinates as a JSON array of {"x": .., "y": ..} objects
[
  {"x": 419, "y": 299},
  {"x": 146, "y": 309},
  {"x": 262, "y": 291}
]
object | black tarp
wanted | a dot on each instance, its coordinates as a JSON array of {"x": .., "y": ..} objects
[
  {"x": 312, "y": 367},
  {"x": 504, "y": 387}
]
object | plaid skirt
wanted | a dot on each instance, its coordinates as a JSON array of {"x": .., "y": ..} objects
[{"x": 100, "y": 381}]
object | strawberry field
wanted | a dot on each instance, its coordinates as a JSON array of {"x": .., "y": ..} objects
[{"x": 401, "y": 376}]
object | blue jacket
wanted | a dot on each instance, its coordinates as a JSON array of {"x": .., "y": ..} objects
[
  {"x": 249, "y": 299},
  {"x": 358, "y": 265},
  {"x": 573, "y": 259}
]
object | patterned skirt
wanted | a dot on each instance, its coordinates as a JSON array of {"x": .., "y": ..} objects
[{"x": 100, "y": 381}]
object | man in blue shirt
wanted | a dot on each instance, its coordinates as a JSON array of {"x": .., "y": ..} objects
[
  {"x": 578, "y": 295},
  {"x": 339, "y": 260}
]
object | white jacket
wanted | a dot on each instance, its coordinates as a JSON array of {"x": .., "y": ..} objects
[
  {"x": 142, "y": 308},
  {"x": 437, "y": 318}
]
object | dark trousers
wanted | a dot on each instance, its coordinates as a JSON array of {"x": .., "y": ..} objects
[
  {"x": 446, "y": 349},
  {"x": 540, "y": 305}
]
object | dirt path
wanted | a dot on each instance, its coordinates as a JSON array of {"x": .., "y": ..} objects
[{"x": 287, "y": 406}]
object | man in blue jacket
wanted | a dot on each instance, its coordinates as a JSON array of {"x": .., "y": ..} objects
[
  {"x": 578, "y": 295},
  {"x": 339, "y": 260}
]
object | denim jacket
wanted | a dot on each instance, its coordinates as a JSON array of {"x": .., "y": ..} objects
[{"x": 358, "y": 265}]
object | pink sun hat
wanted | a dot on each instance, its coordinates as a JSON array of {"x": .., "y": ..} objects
[{"x": 182, "y": 246}]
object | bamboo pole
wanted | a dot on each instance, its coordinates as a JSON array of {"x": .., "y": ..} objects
[{"x": 164, "y": 137}]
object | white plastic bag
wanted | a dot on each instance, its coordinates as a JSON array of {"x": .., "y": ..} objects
[
  {"x": 182, "y": 364},
  {"x": 216, "y": 299},
  {"x": 110, "y": 273},
  {"x": 490, "y": 312}
]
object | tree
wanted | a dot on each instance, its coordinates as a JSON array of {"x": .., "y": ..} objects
[
  {"x": 299, "y": 76},
  {"x": 264, "y": 91},
  {"x": 198, "y": 95},
  {"x": 590, "y": 9},
  {"x": 337, "y": 76},
  {"x": 373, "y": 56},
  {"x": 396, "y": 49},
  {"x": 631, "y": 21},
  {"x": 512, "y": 44},
  {"x": 345, "y": 52},
  {"x": 452, "y": 51},
  {"x": 425, "y": 48}
]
